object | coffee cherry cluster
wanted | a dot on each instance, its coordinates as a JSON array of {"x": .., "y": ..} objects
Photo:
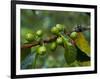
[
  {"x": 56, "y": 30},
  {"x": 34, "y": 36},
  {"x": 30, "y": 37},
  {"x": 61, "y": 39}
]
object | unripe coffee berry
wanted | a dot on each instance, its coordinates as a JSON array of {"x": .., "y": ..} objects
[
  {"x": 53, "y": 46},
  {"x": 59, "y": 27},
  {"x": 54, "y": 30},
  {"x": 29, "y": 37},
  {"x": 39, "y": 33},
  {"x": 73, "y": 35},
  {"x": 41, "y": 50},
  {"x": 59, "y": 40},
  {"x": 69, "y": 44}
]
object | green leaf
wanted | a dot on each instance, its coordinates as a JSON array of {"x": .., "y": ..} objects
[
  {"x": 70, "y": 53},
  {"x": 82, "y": 43}
]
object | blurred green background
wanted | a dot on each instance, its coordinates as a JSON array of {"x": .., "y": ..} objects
[{"x": 32, "y": 20}]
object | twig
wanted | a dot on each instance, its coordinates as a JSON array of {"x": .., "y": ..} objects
[
  {"x": 48, "y": 40},
  {"x": 51, "y": 38}
]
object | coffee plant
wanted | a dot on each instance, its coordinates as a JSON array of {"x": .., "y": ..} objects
[
  {"x": 54, "y": 39},
  {"x": 72, "y": 43}
]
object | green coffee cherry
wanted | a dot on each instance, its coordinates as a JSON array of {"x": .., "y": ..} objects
[
  {"x": 59, "y": 40},
  {"x": 41, "y": 50},
  {"x": 54, "y": 30},
  {"x": 69, "y": 44},
  {"x": 53, "y": 46},
  {"x": 29, "y": 37},
  {"x": 73, "y": 35},
  {"x": 59, "y": 27},
  {"x": 39, "y": 33}
]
